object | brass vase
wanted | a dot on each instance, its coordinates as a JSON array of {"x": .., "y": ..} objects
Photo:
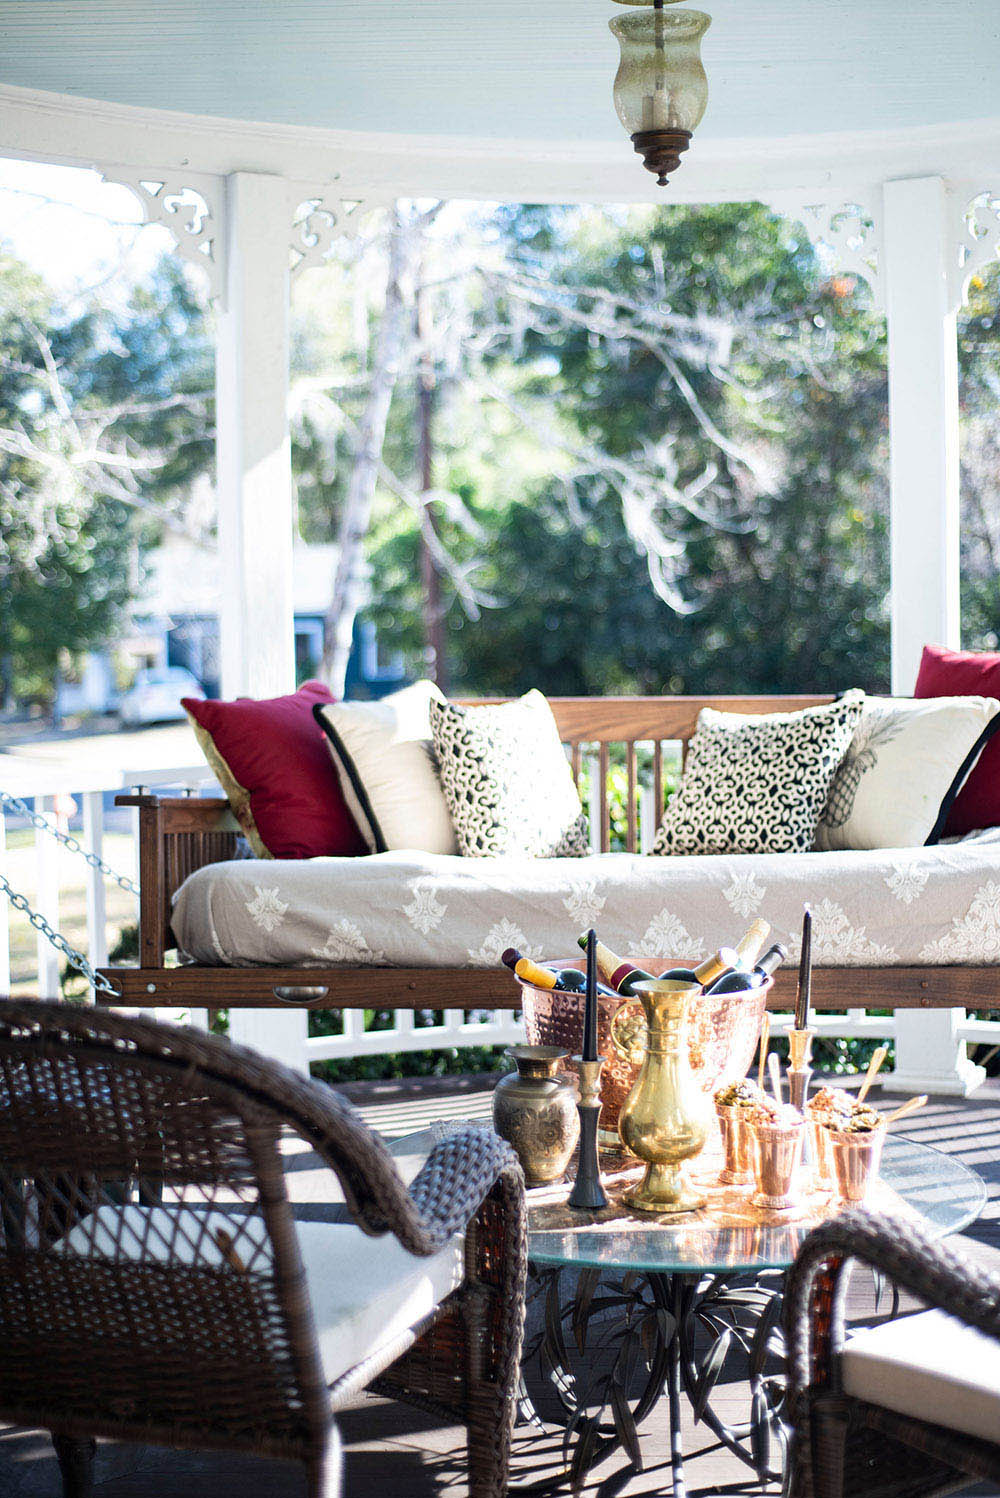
[
  {"x": 666, "y": 1116},
  {"x": 535, "y": 1111}
]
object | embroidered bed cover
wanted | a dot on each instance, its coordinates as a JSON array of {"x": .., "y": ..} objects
[{"x": 908, "y": 906}]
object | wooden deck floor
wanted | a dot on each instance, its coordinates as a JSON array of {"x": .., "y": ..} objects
[{"x": 395, "y": 1452}]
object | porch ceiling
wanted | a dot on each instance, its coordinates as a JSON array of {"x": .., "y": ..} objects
[{"x": 515, "y": 70}]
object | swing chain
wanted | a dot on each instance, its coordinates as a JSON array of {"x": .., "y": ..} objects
[
  {"x": 68, "y": 841},
  {"x": 73, "y": 957}
]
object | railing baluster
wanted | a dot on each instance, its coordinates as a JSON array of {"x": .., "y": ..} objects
[
  {"x": 648, "y": 820},
  {"x": 47, "y": 863},
  {"x": 604, "y": 766},
  {"x": 576, "y": 761},
  {"x": 658, "y": 779},
  {"x": 5, "y": 923},
  {"x": 97, "y": 915},
  {"x": 594, "y": 800},
  {"x": 631, "y": 768}
]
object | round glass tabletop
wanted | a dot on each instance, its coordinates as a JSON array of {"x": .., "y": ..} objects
[{"x": 916, "y": 1181}]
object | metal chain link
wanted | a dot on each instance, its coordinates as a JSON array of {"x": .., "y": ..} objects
[
  {"x": 68, "y": 841},
  {"x": 73, "y": 957}
]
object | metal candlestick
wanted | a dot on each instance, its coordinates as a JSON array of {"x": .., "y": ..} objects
[
  {"x": 588, "y": 1193},
  {"x": 799, "y": 1077}
]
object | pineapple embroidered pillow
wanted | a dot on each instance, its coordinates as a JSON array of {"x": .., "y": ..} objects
[{"x": 906, "y": 763}]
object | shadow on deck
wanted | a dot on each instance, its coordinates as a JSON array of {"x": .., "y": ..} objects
[{"x": 396, "y": 1452}]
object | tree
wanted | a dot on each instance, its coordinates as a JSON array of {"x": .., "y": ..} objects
[
  {"x": 103, "y": 424},
  {"x": 679, "y": 466}
]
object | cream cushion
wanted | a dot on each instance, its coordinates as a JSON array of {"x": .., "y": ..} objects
[
  {"x": 930, "y": 1367},
  {"x": 906, "y": 763},
  {"x": 366, "y": 1292},
  {"x": 384, "y": 757}
]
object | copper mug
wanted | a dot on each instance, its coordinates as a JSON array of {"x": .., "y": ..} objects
[
  {"x": 737, "y": 1145},
  {"x": 777, "y": 1151},
  {"x": 855, "y": 1160}
]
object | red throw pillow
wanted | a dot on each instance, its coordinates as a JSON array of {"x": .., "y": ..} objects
[
  {"x": 967, "y": 673},
  {"x": 272, "y": 762}
]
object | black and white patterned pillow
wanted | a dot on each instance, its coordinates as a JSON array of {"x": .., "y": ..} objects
[
  {"x": 758, "y": 784},
  {"x": 506, "y": 780}
]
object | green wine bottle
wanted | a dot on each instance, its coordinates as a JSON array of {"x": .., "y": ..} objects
[{"x": 740, "y": 982}]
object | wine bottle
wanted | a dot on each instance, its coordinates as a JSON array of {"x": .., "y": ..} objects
[
  {"x": 526, "y": 970},
  {"x": 751, "y": 944},
  {"x": 619, "y": 975},
  {"x": 739, "y": 982},
  {"x": 725, "y": 960},
  {"x": 563, "y": 980}
]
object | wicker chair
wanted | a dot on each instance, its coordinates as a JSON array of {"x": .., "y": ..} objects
[
  {"x": 909, "y": 1407},
  {"x": 156, "y": 1287}
]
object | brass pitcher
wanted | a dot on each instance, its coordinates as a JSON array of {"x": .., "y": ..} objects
[{"x": 666, "y": 1116}]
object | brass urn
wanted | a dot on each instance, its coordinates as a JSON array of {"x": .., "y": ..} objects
[
  {"x": 666, "y": 1116},
  {"x": 535, "y": 1111}
]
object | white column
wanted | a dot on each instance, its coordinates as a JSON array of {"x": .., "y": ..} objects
[
  {"x": 257, "y": 633},
  {"x": 252, "y": 448},
  {"x": 924, "y": 479},
  {"x": 923, "y": 422}
]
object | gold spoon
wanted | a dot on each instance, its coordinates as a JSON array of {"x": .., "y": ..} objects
[
  {"x": 874, "y": 1067},
  {"x": 765, "y": 1041},
  {"x": 910, "y": 1106}
]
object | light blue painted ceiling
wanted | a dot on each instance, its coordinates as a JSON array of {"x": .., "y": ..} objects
[{"x": 512, "y": 69}]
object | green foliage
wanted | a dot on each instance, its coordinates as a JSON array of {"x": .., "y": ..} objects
[
  {"x": 767, "y": 386},
  {"x": 105, "y": 422}
]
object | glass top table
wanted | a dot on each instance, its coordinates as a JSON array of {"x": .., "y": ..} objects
[
  {"x": 709, "y": 1284},
  {"x": 730, "y": 1236}
]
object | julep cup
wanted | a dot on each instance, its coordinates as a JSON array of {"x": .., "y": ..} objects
[
  {"x": 737, "y": 1146},
  {"x": 777, "y": 1151},
  {"x": 855, "y": 1160},
  {"x": 819, "y": 1138}
]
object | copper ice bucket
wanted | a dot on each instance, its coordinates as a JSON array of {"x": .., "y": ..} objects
[{"x": 722, "y": 1034}]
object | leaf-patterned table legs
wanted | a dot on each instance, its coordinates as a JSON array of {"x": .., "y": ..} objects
[{"x": 637, "y": 1337}]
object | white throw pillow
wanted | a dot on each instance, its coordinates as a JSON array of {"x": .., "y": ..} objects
[
  {"x": 508, "y": 785},
  {"x": 758, "y": 783},
  {"x": 384, "y": 758},
  {"x": 906, "y": 764}
]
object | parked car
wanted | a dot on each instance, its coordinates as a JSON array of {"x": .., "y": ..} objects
[{"x": 155, "y": 696}]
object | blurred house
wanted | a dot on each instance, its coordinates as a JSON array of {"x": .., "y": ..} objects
[{"x": 176, "y": 623}]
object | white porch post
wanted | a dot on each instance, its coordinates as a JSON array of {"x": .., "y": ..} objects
[
  {"x": 919, "y": 249},
  {"x": 252, "y": 449},
  {"x": 923, "y": 422},
  {"x": 257, "y": 635}
]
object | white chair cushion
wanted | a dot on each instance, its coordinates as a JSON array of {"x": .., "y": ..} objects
[
  {"x": 930, "y": 1367},
  {"x": 365, "y": 1292}
]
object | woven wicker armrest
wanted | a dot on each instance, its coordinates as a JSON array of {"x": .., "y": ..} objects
[
  {"x": 906, "y": 1253},
  {"x": 457, "y": 1176}
]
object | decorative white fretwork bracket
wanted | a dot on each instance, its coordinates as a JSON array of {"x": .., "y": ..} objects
[
  {"x": 975, "y": 229},
  {"x": 319, "y": 220},
  {"x": 847, "y": 233},
  {"x": 191, "y": 207}
]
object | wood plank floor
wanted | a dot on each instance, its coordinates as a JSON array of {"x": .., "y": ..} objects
[{"x": 395, "y": 1452}]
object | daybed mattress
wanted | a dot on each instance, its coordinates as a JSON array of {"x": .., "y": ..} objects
[{"x": 892, "y": 907}]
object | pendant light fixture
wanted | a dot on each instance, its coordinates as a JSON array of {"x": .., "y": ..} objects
[{"x": 661, "y": 90}]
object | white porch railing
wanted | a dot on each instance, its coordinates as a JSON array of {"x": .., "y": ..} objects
[{"x": 930, "y": 1045}]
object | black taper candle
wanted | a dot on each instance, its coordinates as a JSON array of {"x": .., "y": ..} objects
[
  {"x": 804, "y": 992},
  {"x": 589, "y": 1049}
]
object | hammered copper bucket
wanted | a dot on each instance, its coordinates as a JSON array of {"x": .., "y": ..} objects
[{"x": 722, "y": 1034}]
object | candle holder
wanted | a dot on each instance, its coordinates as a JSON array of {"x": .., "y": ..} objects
[
  {"x": 799, "y": 1070},
  {"x": 588, "y": 1194},
  {"x": 799, "y": 1077}
]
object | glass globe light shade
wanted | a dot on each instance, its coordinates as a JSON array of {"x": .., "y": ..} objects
[{"x": 661, "y": 90}]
